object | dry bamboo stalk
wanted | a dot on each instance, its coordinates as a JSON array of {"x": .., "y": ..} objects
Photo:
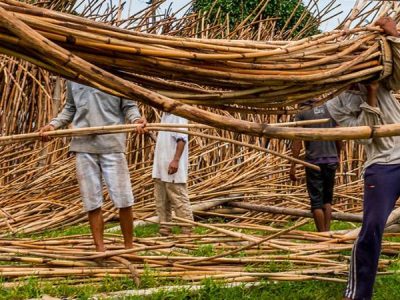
[
  {"x": 295, "y": 212},
  {"x": 127, "y": 128}
]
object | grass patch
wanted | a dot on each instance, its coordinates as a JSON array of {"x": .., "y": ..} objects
[
  {"x": 268, "y": 291},
  {"x": 144, "y": 231},
  {"x": 386, "y": 288},
  {"x": 394, "y": 238},
  {"x": 204, "y": 250},
  {"x": 200, "y": 230},
  {"x": 34, "y": 288},
  {"x": 335, "y": 225},
  {"x": 60, "y": 232}
]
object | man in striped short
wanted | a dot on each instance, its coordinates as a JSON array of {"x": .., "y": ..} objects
[{"x": 100, "y": 157}]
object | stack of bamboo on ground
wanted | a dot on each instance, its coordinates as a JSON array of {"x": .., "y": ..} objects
[{"x": 227, "y": 252}]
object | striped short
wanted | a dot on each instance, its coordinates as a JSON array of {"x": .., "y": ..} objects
[{"x": 91, "y": 169}]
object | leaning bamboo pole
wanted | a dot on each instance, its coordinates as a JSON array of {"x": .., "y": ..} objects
[{"x": 128, "y": 128}]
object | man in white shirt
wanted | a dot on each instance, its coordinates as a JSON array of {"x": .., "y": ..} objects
[{"x": 170, "y": 173}]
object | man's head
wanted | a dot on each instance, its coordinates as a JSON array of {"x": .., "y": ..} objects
[{"x": 307, "y": 104}]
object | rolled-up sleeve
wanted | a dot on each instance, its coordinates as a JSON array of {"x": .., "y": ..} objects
[
  {"x": 67, "y": 114},
  {"x": 349, "y": 111},
  {"x": 178, "y": 136},
  {"x": 130, "y": 110},
  {"x": 392, "y": 82}
]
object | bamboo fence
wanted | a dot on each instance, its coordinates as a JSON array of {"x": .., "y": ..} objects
[{"x": 38, "y": 186}]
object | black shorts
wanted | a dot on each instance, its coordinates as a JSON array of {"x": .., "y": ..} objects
[{"x": 320, "y": 184}]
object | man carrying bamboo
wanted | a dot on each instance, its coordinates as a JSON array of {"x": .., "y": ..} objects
[
  {"x": 170, "y": 174},
  {"x": 373, "y": 105},
  {"x": 324, "y": 154},
  {"x": 100, "y": 156}
]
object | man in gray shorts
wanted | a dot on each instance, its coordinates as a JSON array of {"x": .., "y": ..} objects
[{"x": 100, "y": 156}]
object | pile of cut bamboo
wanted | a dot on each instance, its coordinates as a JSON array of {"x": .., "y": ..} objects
[
  {"x": 41, "y": 193},
  {"x": 221, "y": 253},
  {"x": 265, "y": 74},
  {"x": 246, "y": 188}
]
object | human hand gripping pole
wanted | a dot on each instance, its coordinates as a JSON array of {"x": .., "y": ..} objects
[
  {"x": 141, "y": 129},
  {"x": 43, "y": 130}
]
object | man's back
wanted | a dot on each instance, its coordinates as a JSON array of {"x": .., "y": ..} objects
[{"x": 319, "y": 151}]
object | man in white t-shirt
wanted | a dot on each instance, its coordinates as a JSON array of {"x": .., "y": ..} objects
[{"x": 170, "y": 173}]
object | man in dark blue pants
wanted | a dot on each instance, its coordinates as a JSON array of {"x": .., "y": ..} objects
[{"x": 373, "y": 105}]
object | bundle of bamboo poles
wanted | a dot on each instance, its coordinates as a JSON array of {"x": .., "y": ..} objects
[
  {"x": 259, "y": 70},
  {"x": 215, "y": 73}
]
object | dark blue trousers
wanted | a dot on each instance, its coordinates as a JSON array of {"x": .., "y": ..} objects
[{"x": 381, "y": 190}]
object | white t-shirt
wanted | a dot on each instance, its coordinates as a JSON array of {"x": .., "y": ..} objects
[{"x": 165, "y": 152}]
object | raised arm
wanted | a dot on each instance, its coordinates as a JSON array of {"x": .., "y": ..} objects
[
  {"x": 350, "y": 110},
  {"x": 388, "y": 25},
  {"x": 372, "y": 93}
]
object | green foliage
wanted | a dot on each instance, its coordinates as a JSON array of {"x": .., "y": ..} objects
[
  {"x": 213, "y": 290},
  {"x": 148, "y": 279},
  {"x": 239, "y": 9}
]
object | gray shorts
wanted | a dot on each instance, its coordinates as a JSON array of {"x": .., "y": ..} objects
[{"x": 113, "y": 168}]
